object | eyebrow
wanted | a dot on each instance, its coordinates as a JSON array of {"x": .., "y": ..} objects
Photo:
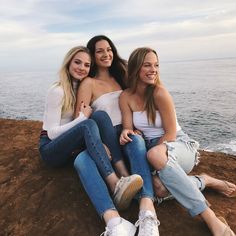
[
  {"x": 103, "y": 48},
  {"x": 77, "y": 59}
]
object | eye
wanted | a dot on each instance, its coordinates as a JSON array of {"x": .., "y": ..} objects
[
  {"x": 77, "y": 62},
  {"x": 99, "y": 51}
]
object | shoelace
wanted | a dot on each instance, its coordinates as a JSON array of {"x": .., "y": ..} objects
[
  {"x": 149, "y": 222},
  {"x": 159, "y": 200},
  {"x": 118, "y": 185},
  {"x": 105, "y": 233}
]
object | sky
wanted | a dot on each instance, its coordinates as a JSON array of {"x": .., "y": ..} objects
[{"x": 36, "y": 34}]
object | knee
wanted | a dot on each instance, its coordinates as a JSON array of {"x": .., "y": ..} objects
[
  {"x": 80, "y": 161},
  {"x": 90, "y": 124},
  {"x": 157, "y": 157},
  {"x": 137, "y": 144},
  {"x": 99, "y": 116},
  {"x": 152, "y": 154},
  {"x": 138, "y": 141}
]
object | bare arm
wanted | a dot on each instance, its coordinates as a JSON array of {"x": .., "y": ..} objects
[
  {"x": 84, "y": 95},
  {"x": 165, "y": 105},
  {"x": 127, "y": 118}
]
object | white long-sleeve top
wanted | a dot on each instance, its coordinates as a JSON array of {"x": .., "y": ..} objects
[{"x": 54, "y": 121}]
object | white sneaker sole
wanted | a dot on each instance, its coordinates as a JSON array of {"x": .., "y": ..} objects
[{"x": 129, "y": 193}]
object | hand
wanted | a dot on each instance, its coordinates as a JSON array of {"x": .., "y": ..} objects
[
  {"x": 136, "y": 131},
  {"x": 86, "y": 109},
  {"x": 124, "y": 138}
]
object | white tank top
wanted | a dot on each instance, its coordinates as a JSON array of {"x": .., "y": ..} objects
[
  {"x": 109, "y": 102},
  {"x": 150, "y": 131}
]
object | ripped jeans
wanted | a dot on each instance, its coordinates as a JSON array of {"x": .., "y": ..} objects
[{"x": 182, "y": 157}]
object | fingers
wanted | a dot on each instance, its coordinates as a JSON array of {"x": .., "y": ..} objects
[
  {"x": 86, "y": 109},
  {"x": 137, "y": 132},
  {"x": 82, "y": 105},
  {"x": 124, "y": 140},
  {"x": 124, "y": 137}
]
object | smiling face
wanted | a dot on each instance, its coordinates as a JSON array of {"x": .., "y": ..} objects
[
  {"x": 103, "y": 54},
  {"x": 149, "y": 70},
  {"x": 80, "y": 65}
]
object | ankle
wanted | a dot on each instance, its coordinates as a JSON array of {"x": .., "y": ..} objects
[
  {"x": 146, "y": 204},
  {"x": 216, "y": 226},
  {"x": 121, "y": 168},
  {"x": 144, "y": 212},
  {"x": 110, "y": 214},
  {"x": 113, "y": 222}
]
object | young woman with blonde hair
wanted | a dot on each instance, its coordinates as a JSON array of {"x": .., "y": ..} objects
[{"x": 62, "y": 136}]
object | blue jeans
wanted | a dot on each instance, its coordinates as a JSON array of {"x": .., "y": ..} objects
[
  {"x": 58, "y": 151},
  {"x": 110, "y": 135},
  {"x": 93, "y": 183},
  {"x": 136, "y": 153},
  {"x": 182, "y": 156}
]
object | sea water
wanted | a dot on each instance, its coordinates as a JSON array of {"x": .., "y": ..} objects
[{"x": 204, "y": 93}]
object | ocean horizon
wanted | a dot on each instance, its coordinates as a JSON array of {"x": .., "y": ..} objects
[{"x": 204, "y": 93}]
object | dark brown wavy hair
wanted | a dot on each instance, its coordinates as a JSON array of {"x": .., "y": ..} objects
[{"x": 118, "y": 68}]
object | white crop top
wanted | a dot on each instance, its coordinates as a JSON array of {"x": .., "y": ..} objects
[
  {"x": 150, "y": 131},
  {"x": 109, "y": 102}
]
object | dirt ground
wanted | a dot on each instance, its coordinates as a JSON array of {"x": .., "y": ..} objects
[{"x": 38, "y": 200}]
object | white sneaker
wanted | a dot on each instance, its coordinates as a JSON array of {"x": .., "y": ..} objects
[
  {"x": 148, "y": 224},
  {"x": 125, "y": 228},
  {"x": 125, "y": 190}
]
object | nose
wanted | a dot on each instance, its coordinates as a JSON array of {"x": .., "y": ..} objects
[
  {"x": 81, "y": 66},
  {"x": 105, "y": 53},
  {"x": 153, "y": 68}
]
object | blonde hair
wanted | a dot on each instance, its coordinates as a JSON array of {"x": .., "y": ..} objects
[
  {"x": 135, "y": 63},
  {"x": 65, "y": 81}
]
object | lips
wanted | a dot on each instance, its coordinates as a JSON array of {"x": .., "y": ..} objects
[
  {"x": 80, "y": 73},
  {"x": 106, "y": 60},
  {"x": 151, "y": 76}
]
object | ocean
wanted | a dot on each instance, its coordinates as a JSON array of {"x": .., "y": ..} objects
[{"x": 204, "y": 94}]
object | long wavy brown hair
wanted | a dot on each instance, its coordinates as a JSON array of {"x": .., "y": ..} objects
[
  {"x": 135, "y": 63},
  {"x": 118, "y": 67},
  {"x": 65, "y": 81}
]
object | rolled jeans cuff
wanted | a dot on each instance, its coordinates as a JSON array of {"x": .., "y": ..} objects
[{"x": 198, "y": 209}]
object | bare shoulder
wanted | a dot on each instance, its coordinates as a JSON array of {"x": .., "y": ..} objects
[
  {"x": 125, "y": 94},
  {"x": 162, "y": 97},
  {"x": 161, "y": 92},
  {"x": 88, "y": 81}
]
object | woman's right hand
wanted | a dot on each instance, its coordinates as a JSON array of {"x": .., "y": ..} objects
[
  {"x": 86, "y": 109},
  {"x": 124, "y": 136}
]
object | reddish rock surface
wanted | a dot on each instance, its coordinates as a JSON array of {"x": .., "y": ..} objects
[{"x": 38, "y": 200}]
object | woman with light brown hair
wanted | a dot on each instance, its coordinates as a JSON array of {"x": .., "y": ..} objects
[{"x": 147, "y": 106}]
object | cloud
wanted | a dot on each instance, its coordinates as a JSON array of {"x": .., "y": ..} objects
[{"x": 177, "y": 29}]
